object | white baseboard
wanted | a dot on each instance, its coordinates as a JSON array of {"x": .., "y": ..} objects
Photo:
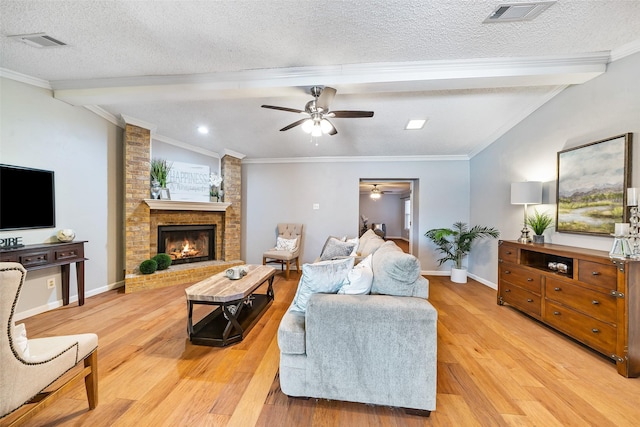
[
  {"x": 72, "y": 299},
  {"x": 473, "y": 276}
]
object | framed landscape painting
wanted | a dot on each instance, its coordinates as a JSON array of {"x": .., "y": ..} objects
[{"x": 591, "y": 186}]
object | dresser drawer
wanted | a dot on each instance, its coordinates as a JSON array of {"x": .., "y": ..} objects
[
  {"x": 522, "y": 299},
  {"x": 601, "y": 275},
  {"x": 599, "y": 335},
  {"x": 507, "y": 253},
  {"x": 601, "y": 306},
  {"x": 68, "y": 253},
  {"x": 8, "y": 257},
  {"x": 523, "y": 277},
  {"x": 35, "y": 258}
]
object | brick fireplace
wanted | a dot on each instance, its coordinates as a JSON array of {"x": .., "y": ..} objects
[{"x": 143, "y": 217}]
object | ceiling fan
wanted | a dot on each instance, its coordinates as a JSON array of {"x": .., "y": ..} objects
[
  {"x": 376, "y": 192},
  {"x": 317, "y": 110}
]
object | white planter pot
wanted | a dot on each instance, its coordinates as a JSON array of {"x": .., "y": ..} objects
[{"x": 458, "y": 275}]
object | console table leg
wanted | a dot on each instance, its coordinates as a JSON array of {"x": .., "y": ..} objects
[
  {"x": 80, "y": 277},
  {"x": 65, "y": 272}
]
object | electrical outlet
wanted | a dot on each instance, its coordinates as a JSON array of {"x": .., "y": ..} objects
[{"x": 51, "y": 283}]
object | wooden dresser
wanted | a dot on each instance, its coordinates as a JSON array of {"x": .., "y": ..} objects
[{"x": 596, "y": 301}]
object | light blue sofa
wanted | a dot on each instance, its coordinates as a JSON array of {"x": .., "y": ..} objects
[{"x": 377, "y": 349}]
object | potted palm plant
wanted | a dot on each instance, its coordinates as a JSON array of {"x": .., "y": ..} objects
[
  {"x": 538, "y": 223},
  {"x": 455, "y": 244}
]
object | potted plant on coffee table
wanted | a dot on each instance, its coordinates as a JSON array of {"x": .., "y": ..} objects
[
  {"x": 455, "y": 244},
  {"x": 538, "y": 223}
]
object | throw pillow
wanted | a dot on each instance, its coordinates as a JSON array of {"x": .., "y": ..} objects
[
  {"x": 283, "y": 244},
  {"x": 335, "y": 248},
  {"x": 355, "y": 241},
  {"x": 359, "y": 279},
  {"x": 321, "y": 277}
]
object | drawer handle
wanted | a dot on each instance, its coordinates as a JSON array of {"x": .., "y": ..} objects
[
  {"x": 507, "y": 290},
  {"x": 595, "y": 330},
  {"x": 508, "y": 252},
  {"x": 595, "y": 302},
  {"x": 529, "y": 279},
  {"x": 595, "y": 273},
  {"x": 557, "y": 289},
  {"x": 507, "y": 272},
  {"x": 556, "y": 313},
  {"x": 529, "y": 300}
]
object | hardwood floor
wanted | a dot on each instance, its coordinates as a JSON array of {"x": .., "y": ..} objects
[{"x": 495, "y": 367}]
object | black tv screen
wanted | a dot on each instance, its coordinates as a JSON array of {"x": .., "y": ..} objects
[{"x": 27, "y": 198}]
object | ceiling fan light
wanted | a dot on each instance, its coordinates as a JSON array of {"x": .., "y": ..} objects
[
  {"x": 317, "y": 130},
  {"x": 325, "y": 126},
  {"x": 307, "y": 126},
  {"x": 375, "y": 195}
]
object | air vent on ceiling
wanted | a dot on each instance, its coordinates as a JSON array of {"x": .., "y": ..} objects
[
  {"x": 510, "y": 12},
  {"x": 38, "y": 40}
]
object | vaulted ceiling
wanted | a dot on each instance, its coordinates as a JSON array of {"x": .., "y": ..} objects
[{"x": 178, "y": 65}]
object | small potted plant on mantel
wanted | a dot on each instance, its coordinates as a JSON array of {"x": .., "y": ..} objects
[
  {"x": 160, "y": 169},
  {"x": 455, "y": 243},
  {"x": 539, "y": 222}
]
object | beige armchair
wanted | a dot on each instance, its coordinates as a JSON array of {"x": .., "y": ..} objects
[
  {"x": 280, "y": 253},
  {"x": 29, "y": 366}
]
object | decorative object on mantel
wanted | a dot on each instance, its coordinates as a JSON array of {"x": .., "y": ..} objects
[
  {"x": 539, "y": 222},
  {"x": 526, "y": 193},
  {"x": 148, "y": 266},
  {"x": 455, "y": 243},
  {"x": 160, "y": 169},
  {"x": 216, "y": 193},
  {"x": 155, "y": 189},
  {"x": 66, "y": 235},
  {"x": 591, "y": 186},
  {"x": 626, "y": 237}
]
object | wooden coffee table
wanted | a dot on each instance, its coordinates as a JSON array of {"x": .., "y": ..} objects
[{"x": 237, "y": 307}]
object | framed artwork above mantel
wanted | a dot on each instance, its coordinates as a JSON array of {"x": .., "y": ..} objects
[{"x": 591, "y": 186}]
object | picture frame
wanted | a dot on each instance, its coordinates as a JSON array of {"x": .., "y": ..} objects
[{"x": 591, "y": 186}]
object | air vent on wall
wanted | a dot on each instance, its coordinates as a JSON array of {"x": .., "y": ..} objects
[
  {"x": 38, "y": 40},
  {"x": 510, "y": 12}
]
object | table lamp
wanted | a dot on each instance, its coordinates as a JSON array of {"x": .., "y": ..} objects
[{"x": 526, "y": 193}]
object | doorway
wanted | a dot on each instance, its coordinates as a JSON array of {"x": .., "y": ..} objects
[{"x": 389, "y": 204}]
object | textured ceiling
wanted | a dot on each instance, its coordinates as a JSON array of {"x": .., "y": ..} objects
[{"x": 181, "y": 64}]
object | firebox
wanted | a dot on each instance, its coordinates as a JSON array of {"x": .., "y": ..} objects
[{"x": 187, "y": 243}]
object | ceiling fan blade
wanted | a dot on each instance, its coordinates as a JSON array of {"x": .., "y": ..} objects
[
  {"x": 325, "y": 98},
  {"x": 294, "y": 124},
  {"x": 332, "y": 131},
  {"x": 273, "y": 107},
  {"x": 350, "y": 114}
]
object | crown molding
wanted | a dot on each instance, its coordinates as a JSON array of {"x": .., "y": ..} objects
[
  {"x": 185, "y": 145},
  {"x": 227, "y": 152},
  {"x": 625, "y": 50},
  {"x": 128, "y": 120},
  {"x": 23, "y": 78},
  {"x": 104, "y": 114},
  {"x": 356, "y": 159}
]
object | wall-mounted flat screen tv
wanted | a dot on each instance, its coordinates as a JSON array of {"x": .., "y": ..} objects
[{"x": 27, "y": 198}]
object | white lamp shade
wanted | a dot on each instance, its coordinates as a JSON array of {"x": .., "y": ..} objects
[{"x": 526, "y": 193}]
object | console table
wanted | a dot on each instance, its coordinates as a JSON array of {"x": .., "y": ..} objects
[
  {"x": 593, "y": 299},
  {"x": 45, "y": 255}
]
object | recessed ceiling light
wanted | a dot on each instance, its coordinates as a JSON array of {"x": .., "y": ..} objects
[
  {"x": 203, "y": 130},
  {"x": 415, "y": 124}
]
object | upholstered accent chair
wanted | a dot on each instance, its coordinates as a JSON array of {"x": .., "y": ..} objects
[
  {"x": 286, "y": 250},
  {"x": 30, "y": 366}
]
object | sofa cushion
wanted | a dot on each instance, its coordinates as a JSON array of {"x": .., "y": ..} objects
[
  {"x": 359, "y": 279},
  {"x": 395, "y": 272},
  {"x": 369, "y": 243},
  {"x": 320, "y": 277},
  {"x": 335, "y": 248}
]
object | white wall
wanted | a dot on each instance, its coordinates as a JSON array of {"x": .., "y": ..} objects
[
  {"x": 85, "y": 152},
  {"x": 286, "y": 192},
  {"x": 606, "y": 106}
]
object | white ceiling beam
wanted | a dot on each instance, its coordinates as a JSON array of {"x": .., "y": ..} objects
[{"x": 352, "y": 78}]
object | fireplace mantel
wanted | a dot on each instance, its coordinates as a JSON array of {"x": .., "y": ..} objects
[{"x": 180, "y": 205}]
